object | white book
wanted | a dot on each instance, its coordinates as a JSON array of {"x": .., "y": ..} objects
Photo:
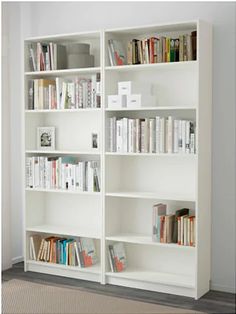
[
  {"x": 112, "y": 134},
  {"x": 36, "y": 94},
  {"x": 85, "y": 91},
  {"x": 50, "y": 91},
  {"x": 170, "y": 135},
  {"x": 137, "y": 136},
  {"x": 119, "y": 136},
  {"x": 130, "y": 136},
  {"x": 93, "y": 91},
  {"x": 180, "y": 142},
  {"x": 38, "y": 54},
  {"x": 63, "y": 95},
  {"x": 71, "y": 95},
  {"x": 29, "y": 176},
  {"x": 33, "y": 59},
  {"x": 47, "y": 61},
  {"x": 36, "y": 172},
  {"x": 77, "y": 254},
  {"x": 58, "y": 92},
  {"x": 183, "y": 125},
  {"x": 82, "y": 175},
  {"x": 73, "y": 169},
  {"x": 152, "y": 139},
  {"x": 55, "y": 56},
  {"x": 146, "y": 136},
  {"x": 90, "y": 177},
  {"x": 142, "y": 136},
  {"x": 162, "y": 135},
  {"x": 187, "y": 137},
  {"x": 41, "y": 172},
  {"x": 157, "y": 146},
  {"x": 192, "y": 143},
  {"x": 31, "y": 251},
  {"x": 51, "y": 56},
  {"x": 125, "y": 135},
  {"x": 176, "y": 136}
]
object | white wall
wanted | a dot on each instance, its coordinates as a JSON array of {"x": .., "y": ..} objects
[{"x": 63, "y": 17}]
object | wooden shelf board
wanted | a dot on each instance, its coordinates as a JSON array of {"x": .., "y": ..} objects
[
  {"x": 64, "y": 230},
  {"x": 155, "y": 277},
  {"x": 144, "y": 239}
]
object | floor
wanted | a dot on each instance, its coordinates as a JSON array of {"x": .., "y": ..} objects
[{"x": 212, "y": 302}]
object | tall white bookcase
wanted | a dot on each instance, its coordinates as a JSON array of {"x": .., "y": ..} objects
[{"x": 130, "y": 182}]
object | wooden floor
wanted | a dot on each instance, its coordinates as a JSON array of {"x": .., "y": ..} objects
[{"x": 212, "y": 302}]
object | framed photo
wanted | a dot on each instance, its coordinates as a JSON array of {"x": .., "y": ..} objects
[
  {"x": 95, "y": 141},
  {"x": 46, "y": 138}
]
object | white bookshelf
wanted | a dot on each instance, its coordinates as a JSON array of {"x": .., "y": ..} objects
[{"x": 130, "y": 182}]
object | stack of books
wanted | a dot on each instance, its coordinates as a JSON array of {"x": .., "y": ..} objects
[
  {"x": 151, "y": 135},
  {"x": 174, "y": 228},
  {"x": 117, "y": 257},
  {"x": 64, "y": 94},
  {"x": 62, "y": 173},
  {"x": 162, "y": 49},
  {"x": 47, "y": 56},
  {"x": 79, "y": 252}
]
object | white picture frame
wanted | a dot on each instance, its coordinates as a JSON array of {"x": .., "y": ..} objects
[{"x": 46, "y": 138}]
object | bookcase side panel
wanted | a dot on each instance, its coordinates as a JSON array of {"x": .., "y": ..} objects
[{"x": 204, "y": 158}]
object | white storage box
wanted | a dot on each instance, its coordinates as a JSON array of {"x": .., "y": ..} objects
[
  {"x": 116, "y": 101},
  {"x": 124, "y": 88},
  {"x": 133, "y": 100}
]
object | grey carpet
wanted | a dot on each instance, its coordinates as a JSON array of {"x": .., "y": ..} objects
[{"x": 32, "y": 298}]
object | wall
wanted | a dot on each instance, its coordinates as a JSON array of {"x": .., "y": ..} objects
[
  {"x": 6, "y": 152},
  {"x": 63, "y": 17}
]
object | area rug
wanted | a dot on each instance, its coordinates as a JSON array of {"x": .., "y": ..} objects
[{"x": 32, "y": 298}]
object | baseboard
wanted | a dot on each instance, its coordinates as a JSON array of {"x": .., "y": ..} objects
[
  {"x": 222, "y": 288},
  {"x": 17, "y": 259}
]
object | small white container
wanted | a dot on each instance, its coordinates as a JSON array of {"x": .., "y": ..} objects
[
  {"x": 116, "y": 101},
  {"x": 134, "y": 101},
  {"x": 124, "y": 88}
]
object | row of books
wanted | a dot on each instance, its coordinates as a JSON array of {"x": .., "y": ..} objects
[
  {"x": 154, "y": 50},
  {"x": 175, "y": 228},
  {"x": 62, "y": 173},
  {"x": 47, "y": 56},
  {"x": 151, "y": 135},
  {"x": 162, "y": 49},
  {"x": 64, "y": 94},
  {"x": 117, "y": 257},
  {"x": 79, "y": 252}
]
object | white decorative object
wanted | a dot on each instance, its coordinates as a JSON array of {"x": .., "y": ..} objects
[
  {"x": 134, "y": 101},
  {"x": 124, "y": 88},
  {"x": 116, "y": 101},
  {"x": 46, "y": 138}
]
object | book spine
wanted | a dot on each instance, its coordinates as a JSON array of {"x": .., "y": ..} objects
[
  {"x": 183, "y": 124},
  {"x": 152, "y": 140},
  {"x": 176, "y": 136},
  {"x": 187, "y": 137},
  {"x": 170, "y": 135}
]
